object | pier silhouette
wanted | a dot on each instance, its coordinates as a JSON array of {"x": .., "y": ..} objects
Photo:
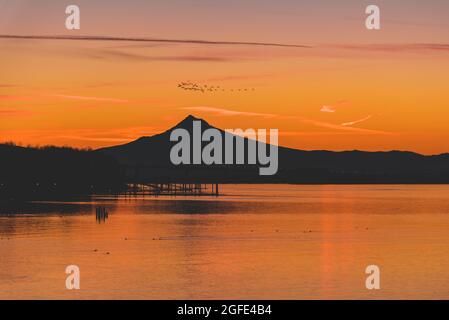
[
  {"x": 101, "y": 214},
  {"x": 172, "y": 189}
]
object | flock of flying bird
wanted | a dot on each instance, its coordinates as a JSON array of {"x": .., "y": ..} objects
[{"x": 191, "y": 86}]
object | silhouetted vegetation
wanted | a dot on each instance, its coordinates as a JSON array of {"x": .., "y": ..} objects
[{"x": 50, "y": 172}]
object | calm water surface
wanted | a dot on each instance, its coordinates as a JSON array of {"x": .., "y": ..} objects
[{"x": 269, "y": 241}]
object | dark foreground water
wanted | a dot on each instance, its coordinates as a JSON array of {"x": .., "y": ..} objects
[{"x": 270, "y": 241}]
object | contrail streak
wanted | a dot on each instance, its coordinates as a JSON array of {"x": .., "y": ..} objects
[
  {"x": 131, "y": 39},
  {"x": 346, "y": 124}
]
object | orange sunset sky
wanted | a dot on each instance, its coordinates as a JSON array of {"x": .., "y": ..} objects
[{"x": 342, "y": 87}]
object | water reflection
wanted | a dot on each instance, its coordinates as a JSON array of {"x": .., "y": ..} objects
[
  {"x": 285, "y": 242},
  {"x": 189, "y": 207},
  {"x": 13, "y": 208},
  {"x": 101, "y": 214}
]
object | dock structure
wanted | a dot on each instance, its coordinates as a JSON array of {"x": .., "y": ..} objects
[{"x": 173, "y": 189}]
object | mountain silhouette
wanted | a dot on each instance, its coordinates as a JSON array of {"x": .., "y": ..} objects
[
  {"x": 148, "y": 159},
  {"x": 153, "y": 150}
]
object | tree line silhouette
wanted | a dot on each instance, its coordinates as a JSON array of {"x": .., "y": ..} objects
[{"x": 40, "y": 172}]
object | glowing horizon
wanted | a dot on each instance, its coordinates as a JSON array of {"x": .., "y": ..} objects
[{"x": 342, "y": 87}]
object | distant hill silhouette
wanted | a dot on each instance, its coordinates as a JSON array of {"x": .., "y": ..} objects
[{"x": 148, "y": 159}]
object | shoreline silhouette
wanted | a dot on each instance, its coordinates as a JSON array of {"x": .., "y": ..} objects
[{"x": 43, "y": 172}]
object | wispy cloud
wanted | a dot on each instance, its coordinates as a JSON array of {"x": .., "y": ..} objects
[
  {"x": 321, "y": 124},
  {"x": 84, "y": 98},
  {"x": 342, "y": 127},
  {"x": 333, "y": 108},
  {"x": 316, "y": 133},
  {"x": 159, "y": 40},
  {"x": 14, "y": 97},
  {"x": 227, "y": 112},
  {"x": 97, "y": 137},
  {"x": 114, "y": 54},
  {"x": 351, "y": 123},
  {"x": 393, "y": 47},
  {"x": 386, "y": 47},
  {"x": 242, "y": 77},
  {"x": 59, "y": 96},
  {"x": 328, "y": 109},
  {"x": 14, "y": 112}
]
